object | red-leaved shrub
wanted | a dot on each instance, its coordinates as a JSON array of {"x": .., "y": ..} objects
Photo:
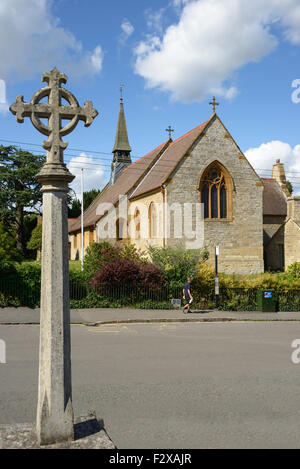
[
  {"x": 151, "y": 276},
  {"x": 118, "y": 272},
  {"x": 124, "y": 273}
]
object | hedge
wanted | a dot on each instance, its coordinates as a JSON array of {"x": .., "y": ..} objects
[{"x": 21, "y": 287}]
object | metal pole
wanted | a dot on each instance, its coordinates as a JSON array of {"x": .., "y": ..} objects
[
  {"x": 217, "y": 288},
  {"x": 82, "y": 230}
]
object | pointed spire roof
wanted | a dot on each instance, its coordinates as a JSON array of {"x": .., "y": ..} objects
[{"x": 121, "y": 141}]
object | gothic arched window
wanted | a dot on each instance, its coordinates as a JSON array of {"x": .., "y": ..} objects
[
  {"x": 152, "y": 221},
  {"x": 137, "y": 224},
  {"x": 216, "y": 192},
  {"x": 121, "y": 229}
]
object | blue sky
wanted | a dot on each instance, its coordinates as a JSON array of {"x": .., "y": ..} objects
[{"x": 172, "y": 56}]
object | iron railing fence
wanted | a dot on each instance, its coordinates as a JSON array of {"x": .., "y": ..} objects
[{"x": 16, "y": 291}]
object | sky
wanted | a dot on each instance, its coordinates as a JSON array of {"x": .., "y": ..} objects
[{"x": 172, "y": 56}]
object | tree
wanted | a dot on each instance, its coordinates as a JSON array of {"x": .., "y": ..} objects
[
  {"x": 177, "y": 263},
  {"x": 289, "y": 187},
  {"x": 35, "y": 243},
  {"x": 88, "y": 198},
  {"x": 20, "y": 193},
  {"x": 9, "y": 254}
]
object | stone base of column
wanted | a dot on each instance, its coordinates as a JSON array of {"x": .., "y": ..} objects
[{"x": 89, "y": 434}]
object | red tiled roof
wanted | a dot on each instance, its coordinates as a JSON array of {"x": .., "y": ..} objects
[
  {"x": 126, "y": 182},
  {"x": 274, "y": 199},
  {"x": 168, "y": 161}
]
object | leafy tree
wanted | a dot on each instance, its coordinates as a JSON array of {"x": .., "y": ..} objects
[
  {"x": 20, "y": 193},
  {"x": 88, "y": 198},
  {"x": 293, "y": 270},
  {"x": 35, "y": 242},
  {"x": 9, "y": 254},
  {"x": 289, "y": 187},
  {"x": 74, "y": 210},
  {"x": 30, "y": 222},
  {"x": 177, "y": 263}
]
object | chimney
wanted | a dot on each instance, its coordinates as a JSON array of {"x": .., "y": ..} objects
[{"x": 278, "y": 174}]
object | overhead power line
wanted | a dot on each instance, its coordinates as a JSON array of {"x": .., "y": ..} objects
[{"x": 82, "y": 164}]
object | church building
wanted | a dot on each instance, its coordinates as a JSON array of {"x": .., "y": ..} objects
[{"x": 254, "y": 221}]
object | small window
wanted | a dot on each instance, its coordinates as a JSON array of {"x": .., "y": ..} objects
[
  {"x": 153, "y": 221},
  {"x": 91, "y": 237},
  {"x": 137, "y": 224}
]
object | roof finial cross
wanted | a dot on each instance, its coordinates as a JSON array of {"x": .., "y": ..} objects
[
  {"x": 213, "y": 103},
  {"x": 170, "y": 130},
  {"x": 121, "y": 92}
]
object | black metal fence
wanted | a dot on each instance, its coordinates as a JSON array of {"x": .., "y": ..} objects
[{"x": 16, "y": 291}]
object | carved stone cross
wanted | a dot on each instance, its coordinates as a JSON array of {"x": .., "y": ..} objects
[
  {"x": 214, "y": 103},
  {"x": 54, "y": 111},
  {"x": 170, "y": 130},
  {"x": 55, "y": 419}
]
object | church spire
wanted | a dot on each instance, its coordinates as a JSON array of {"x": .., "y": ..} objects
[
  {"x": 121, "y": 141},
  {"x": 121, "y": 149}
]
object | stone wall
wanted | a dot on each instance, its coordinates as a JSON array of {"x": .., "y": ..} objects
[
  {"x": 241, "y": 237},
  {"x": 143, "y": 204},
  {"x": 272, "y": 250},
  {"x": 89, "y": 237},
  {"x": 292, "y": 242},
  {"x": 293, "y": 207}
]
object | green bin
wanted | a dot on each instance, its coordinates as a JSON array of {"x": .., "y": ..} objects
[{"x": 267, "y": 301}]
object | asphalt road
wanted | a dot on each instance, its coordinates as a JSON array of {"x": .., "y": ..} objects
[{"x": 215, "y": 385}]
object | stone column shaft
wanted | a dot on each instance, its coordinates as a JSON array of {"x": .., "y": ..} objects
[{"x": 55, "y": 421}]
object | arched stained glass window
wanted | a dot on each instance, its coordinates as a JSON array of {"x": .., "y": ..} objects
[{"x": 216, "y": 189}]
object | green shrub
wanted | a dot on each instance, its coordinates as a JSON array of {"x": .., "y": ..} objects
[
  {"x": 9, "y": 254},
  {"x": 97, "y": 256},
  {"x": 293, "y": 271},
  {"x": 35, "y": 242},
  {"x": 177, "y": 263}
]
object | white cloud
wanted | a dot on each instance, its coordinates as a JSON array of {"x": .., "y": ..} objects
[
  {"x": 3, "y": 101},
  {"x": 97, "y": 58},
  {"x": 94, "y": 177},
  {"x": 155, "y": 19},
  {"x": 127, "y": 27},
  {"x": 213, "y": 39},
  {"x": 32, "y": 41},
  {"x": 263, "y": 157},
  {"x": 127, "y": 31}
]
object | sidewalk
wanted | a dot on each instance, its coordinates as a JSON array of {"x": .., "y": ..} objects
[{"x": 114, "y": 315}]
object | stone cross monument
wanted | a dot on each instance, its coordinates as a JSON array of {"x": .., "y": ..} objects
[{"x": 55, "y": 420}]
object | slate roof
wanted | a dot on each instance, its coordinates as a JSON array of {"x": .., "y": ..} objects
[
  {"x": 168, "y": 162},
  {"x": 124, "y": 184},
  {"x": 152, "y": 170},
  {"x": 274, "y": 199}
]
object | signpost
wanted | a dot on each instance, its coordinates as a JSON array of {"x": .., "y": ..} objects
[{"x": 217, "y": 283}]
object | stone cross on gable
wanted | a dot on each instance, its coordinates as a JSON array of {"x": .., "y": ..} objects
[
  {"x": 55, "y": 419},
  {"x": 214, "y": 103},
  {"x": 170, "y": 130}
]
